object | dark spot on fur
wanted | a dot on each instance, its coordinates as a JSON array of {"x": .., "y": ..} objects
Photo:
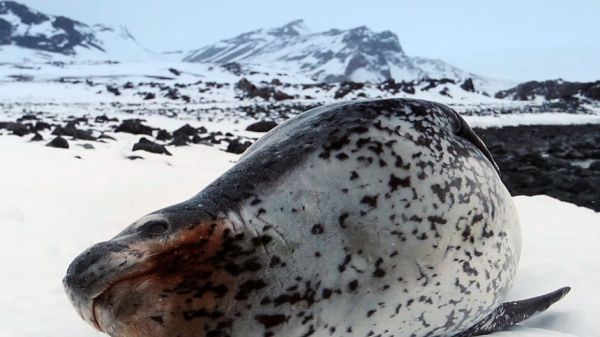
[
  {"x": 395, "y": 182},
  {"x": 370, "y": 200},
  {"x": 341, "y": 156},
  {"x": 270, "y": 321},
  {"x": 317, "y": 229}
]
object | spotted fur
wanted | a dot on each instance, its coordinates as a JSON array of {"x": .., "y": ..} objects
[{"x": 374, "y": 218}]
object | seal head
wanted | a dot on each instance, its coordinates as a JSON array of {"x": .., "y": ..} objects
[{"x": 128, "y": 286}]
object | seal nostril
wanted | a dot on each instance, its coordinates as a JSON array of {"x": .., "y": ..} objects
[{"x": 154, "y": 227}]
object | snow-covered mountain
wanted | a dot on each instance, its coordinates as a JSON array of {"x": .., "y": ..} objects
[
  {"x": 357, "y": 54},
  {"x": 26, "y": 34}
]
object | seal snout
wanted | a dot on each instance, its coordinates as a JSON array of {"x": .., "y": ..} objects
[
  {"x": 81, "y": 272},
  {"x": 91, "y": 273}
]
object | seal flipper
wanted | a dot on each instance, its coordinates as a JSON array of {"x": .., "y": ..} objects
[{"x": 511, "y": 313}]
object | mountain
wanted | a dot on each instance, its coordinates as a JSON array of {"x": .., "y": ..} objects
[
  {"x": 552, "y": 89},
  {"x": 357, "y": 54},
  {"x": 28, "y": 34}
]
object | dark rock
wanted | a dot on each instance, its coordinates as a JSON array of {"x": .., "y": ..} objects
[
  {"x": 209, "y": 140},
  {"x": 87, "y": 146},
  {"x": 432, "y": 83},
  {"x": 468, "y": 85},
  {"x": 41, "y": 126},
  {"x": 539, "y": 159},
  {"x": 573, "y": 154},
  {"x": 27, "y": 117},
  {"x": 175, "y": 71},
  {"x": 237, "y": 147},
  {"x": 37, "y": 137},
  {"x": 249, "y": 90},
  {"x": 179, "y": 141},
  {"x": 445, "y": 92},
  {"x": 233, "y": 67},
  {"x": 104, "y": 119},
  {"x": 59, "y": 142},
  {"x": 392, "y": 86},
  {"x": 134, "y": 157},
  {"x": 113, "y": 90},
  {"x": 595, "y": 166},
  {"x": 135, "y": 127},
  {"x": 247, "y": 87},
  {"x": 149, "y": 96},
  {"x": 196, "y": 139},
  {"x": 185, "y": 131},
  {"x": 105, "y": 136},
  {"x": 172, "y": 94},
  {"x": 163, "y": 135},
  {"x": 498, "y": 148},
  {"x": 347, "y": 87},
  {"x": 409, "y": 89},
  {"x": 18, "y": 128},
  {"x": 146, "y": 145},
  {"x": 281, "y": 96},
  {"x": 262, "y": 126},
  {"x": 72, "y": 131},
  {"x": 552, "y": 89},
  {"x": 76, "y": 121}
]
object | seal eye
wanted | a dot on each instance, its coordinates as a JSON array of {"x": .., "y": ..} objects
[{"x": 154, "y": 227}]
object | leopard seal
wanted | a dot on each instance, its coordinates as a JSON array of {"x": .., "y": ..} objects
[{"x": 369, "y": 218}]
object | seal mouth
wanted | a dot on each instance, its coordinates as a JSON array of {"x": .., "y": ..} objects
[
  {"x": 161, "y": 265},
  {"x": 94, "y": 317}
]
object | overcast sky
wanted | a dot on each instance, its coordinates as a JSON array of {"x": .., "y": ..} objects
[{"x": 511, "y": 39}]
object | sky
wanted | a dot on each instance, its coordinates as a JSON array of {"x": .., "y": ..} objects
[{"x": 505, "y": 39}]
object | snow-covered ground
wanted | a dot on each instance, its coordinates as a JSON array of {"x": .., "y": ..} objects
[
  {"x": 209, "y": 94},
  {"x": 54, "y": 205},
  {"x": 53, "y": 81}
]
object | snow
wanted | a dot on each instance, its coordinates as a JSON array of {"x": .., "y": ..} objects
[
  {"x": 118, "y": 44},
  {"x": 560, "y": 248},
  {"x": 547, "y": 118},
  {"x": 52, "y": 82},
  {"x": 53, "y": 206}
]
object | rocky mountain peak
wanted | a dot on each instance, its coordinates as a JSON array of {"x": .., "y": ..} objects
[
  {"x": 25, "y": 27},
  {"x": 24, "y": 13},
  {"x": 364, "y": 39},
  {"x": 357, "y": 54},
  {"x": 48, "y": 36},
  {"x": 291, "y": 29}
]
